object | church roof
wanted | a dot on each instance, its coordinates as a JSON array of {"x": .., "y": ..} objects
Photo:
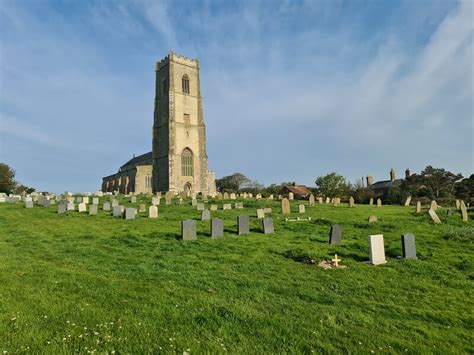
[
  {"x": 144, "y": 159},
  {"x": 300, "y": 190},
  {"x": 386, "y": 184}
]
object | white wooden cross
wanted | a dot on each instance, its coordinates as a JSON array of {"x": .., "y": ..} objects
[{"x": 336, "y": 260}]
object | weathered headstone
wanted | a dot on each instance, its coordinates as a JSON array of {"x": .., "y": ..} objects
[
  {"x": 62, "y": 208},
  {"x": 243, "y": 225},
  {"x": 79, "y": 199},
  {"x": 106, "y": 206},
  {"x": 217, "y": 228},
  {"x": 200, "y": 206},
  {"x": 95, "y": 201},
  {"x": 449, "y": 212},
  {"x": 188, "y": 229},
  {"x": 407, "y": 201},
  {"x": 258, "y": 197},
  {"x": 194, "y": 202},
  {"x": 335, "y": 235},
  {"x": 458, "y": 204},
  {"x": 205, "y": 215},
  {"x": 92, "y": 210},
  {"x": 130, "y": 213},
  {"x": 260, "y": 213},
  {"x": 227, "y": 206},
  {"x": 270, "y": 197},
  {"x": 232, "y": 196},
  {"x": 311, "y": 200},
  {"x": 133, "y": 199},
  {"x": 418, "y": 206},
  {"x": 29, "y": 204},
  {"x": 379, "y": 202},
  {"x": 372, "y": 219},
  {"x": 291, "y": 196},
  {"x": 301, "y": 209},
  {"x": 239, "y": 205},
  {"x": 434, "y": 216},
  {"x": 267, "y": 210},
  {"x": 408, "y": 246},
  {"x": 115, "y": 203},
  {"x": 320, "y": 200},
  {"x": 214, "y": 207},
  {"x": 268, "y": 227},
  {"x": 152, "y": 211},
  {"x": 117, "y": 211},
  {"x": 285, "y": 206},
  {"x": 434, "y": 205},
  {"x": 371, "y": 202},
  {"x": 464, "y": 214},
  {"x": 351, "y": 201},
  {"x": 169, "y": 197},
  {"x": 225, "y": 196},
  {"x": 155, "y": 201},
  {"x": 142, "y": 208},
  {"x": 82, "y": 207},
  {"x": 85, "y": 199},
  {"x": 376, "y": 249}
]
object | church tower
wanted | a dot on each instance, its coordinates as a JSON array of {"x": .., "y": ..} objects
[{"x": 179, "y": 133}]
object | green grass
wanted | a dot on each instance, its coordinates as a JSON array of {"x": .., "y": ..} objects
[{"x": 75, "y": 282}]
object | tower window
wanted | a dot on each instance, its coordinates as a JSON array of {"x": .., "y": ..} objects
[
  {"x": 187, "y": 119},
  {"x": 185, "y": 82},
  {"x": 148, "y": 181},
  {"x": 187, "y": 163}
]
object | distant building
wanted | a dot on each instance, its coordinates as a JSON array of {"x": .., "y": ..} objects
[
  {"x": 380, "y": 187},
  {"x": 300, "y": 192}
]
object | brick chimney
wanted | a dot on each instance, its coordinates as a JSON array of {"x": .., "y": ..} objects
[
  {"x": 370, "y": 180},
  {"x": 392, "y": 175},
  {"x": 407, "y": 173}
]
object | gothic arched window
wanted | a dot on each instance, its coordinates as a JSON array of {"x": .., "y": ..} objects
[
  {"x": 187, "y": 163},
  {"x": 185, "y": 82}
]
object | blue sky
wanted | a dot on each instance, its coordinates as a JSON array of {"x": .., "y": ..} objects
[{"x": 292, "y": 89}]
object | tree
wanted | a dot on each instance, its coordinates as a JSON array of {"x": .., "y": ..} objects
[
  {"x": 332, "y": 185},
  {"x": 7, "y": 179},
  {"x": 232, "y": 182},
  {"x": 465, "y": 189},
  {"x": 24, "y": 189},
  {"x": 439, "y": 181}
]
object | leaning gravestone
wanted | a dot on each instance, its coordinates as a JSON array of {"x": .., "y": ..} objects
[
  {"x": 260, "y": 214},
  {"x": 408, "y": 246},
  {"x": 82, "y": 207},
  {"x": 301, "y": 209},
  {"x": 351, "y": 201},
  {"x": 458, "y": 204},
  {"x": 311, "y": 200},
  {"x": 205, "y": 215},
  {"x": 217, "y": 228},
  {"x": 335, "y": 235},
  {"x": 268, "y": 227},
  {"x": 117, "y": 211},
  {"x": 92, "y": 210},
  {"x": 243, "y": 225},
  {"x": 464, "y": 214},
  {"x": 407, "y": 201},
  {"x": 106, "y": 206},
  {"x": 376, "y": 249},
  {"x": 152, "y": 211},
  {"x": 130, "y": 213},
  {"x": 372, "y": 219},
  {"x": 434, "y": 217},
  {"x": 379, "y": 202},
  {"x": 29, "y": 204},
  {"x": 418, "y": 207},
  {"x": 285, "y": 206},
  {"x": 188, "y": 229},
  {"x": 434, "y": 205}
]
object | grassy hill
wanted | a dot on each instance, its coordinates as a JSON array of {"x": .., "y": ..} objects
[{"x": 83, "y": 283}]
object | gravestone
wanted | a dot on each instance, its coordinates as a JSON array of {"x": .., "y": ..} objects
[
  {"x": 62, "y": 208},
  {"x": 225, "y": 196},
  {"x": 152, "y": 211},
  {"x": 226, "y": 206},
  {"x": 115, "y": 203},
  {"x": 377, "y": 249},
  {"x": 243, "y": 225},
  {"x": 311, "y": 200},
  {"x": 408, "y": 246},
  {"x": 205, "y": 215},
  {"x": 194, "y": 202},
  {"x": 458, "y": 204},
  {"x": 29, "y": 204},
  {"x": 95, "y": 201},
  {"x": 407, "y": 202},
  {"x": 379, "y": 202},
  {"x": 464, "y": 214},
  {"x": 351, "y": 201},
  {"x": 117, "y": 211},
  {"x": 291, "y": 196},
  {"x": 285, "y": 206},
  {"x": 371, "y": 202},
  {"x": 217, "y": 228},
  {"x": 188, "y": 229},
  {"x": 372, "y": 219},
  {"x": 85, "y": 200},
  {"x": 320, "y": 200},
  {"x": 93, "y": 210},
  {"x": 130, "y": 213},
  {"x": 418, "y": 207},
  {"x": 169, "y": 197},
  {"x": 133, "y": 199},
  {"x": 260, "y": 214},
  {"x": 328, "y": 200},
  {"x": 270, "y": 197},
  {"x": 141, "y": 208},
  {"x": 79, "y": 199},
  {"x": 200, "y": 206},
  {"x": 180, "y": 201},
  {"x": 46, "y": 203},
  {"x": 214, "y": 207},
  {"x": 258, "y": 197},
  {"x": 106, "y": 206},
  {"x": 155, "y": 201},
  {"x": 301, "y": 209},
  {"x": 267, "y": 210},
  {"x": 434, "y": 217},
  {"x": 232, "y": 196},
  {"x": 183, "y": 194},
  {"x": 52, "y": 202},
  {"x": 434, "y": 205},
  {"x": 239, "y": 205},
  {"x": 335, "y": 235},
  {"x": 82, "y": 207},
  {"x": 268, "y": 227},
  {"x": 449, "y": 212}
]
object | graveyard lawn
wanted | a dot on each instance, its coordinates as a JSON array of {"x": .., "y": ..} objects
[{"x": 74, "y": 282}]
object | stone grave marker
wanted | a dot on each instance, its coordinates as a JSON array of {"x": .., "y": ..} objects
[
  {"x": 320, "y": 200},
  {"x": 270, "y": 197},
  {"x": 106, "y": 206},
  {"x": 188, "y": 229},
  {"x": 142, "y": 208},
  {"x": 268, "y": 227},
  {"x": 227, "y": 206},
  {"x": 82, "y": 207},
  {"x": 213, "y": 207},
  {"x": 183, "y": 194},
  {"x": 291, "y": 196},
  {"x": 194, "y": 202},
  {"x": 434, "y": 216},
  {"x": 285, "y": 206},
  {"x": 258, "y": 197},
  {"x": 117, "y": 211},
  {"x": 377, "y": 249},
  {"x": 351, "y": 201},
  {"x": 239, "y": 205},
  {"x": 217, "y": 228},
  {"x": 408, "y": 246},
  {"x": 62, "y": 208},
  {"x": 169, "y": 197},
  {"x": 92, "y": 210},
  {"x": 458, "y": 204},
  {"x": 205, "y": 215},
  {"x": 79, "y": 199},
  {"x": 152, "y": 211},
  {"x": 328, "y": 200},
  {"x": 434, "y": 205},
  {"x": 29, "y": 204},
  {"x": 371, "y": 202},
  {"x": 180, "y": 201},
  {"x": 301, "y": 209},
  {"x": 418, "y": 207},
  {"x": 130, "y": 213},
  {"x": 372, "y": 219},
  {"x": 379, "y": 202},
  {"x": 464, "y": 214},
  {"x": 260, "y": 213},
  {"x": 200, "y": 206},
  {"x": 52, "y": 202},
  {"x": 155, "y": 201},
  {"x": 335, "y": 235},
  {"x": 311, "y": 200},
  {"x": 232, "y": 196},
  {"x": 115, "y": 203},
  {"x": 449, "y": 212},
  {"x": 225, "y": 196},
  {"x": 95, "y": 201},
  {"x": 243, "y": 225},
  {"x": 85, "y": 199},
  {"x": 267, "y": 210},
  {"x": 407, "y": 201}
]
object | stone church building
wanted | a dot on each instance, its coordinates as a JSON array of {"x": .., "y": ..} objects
[{"x": 178, "y": 160}]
